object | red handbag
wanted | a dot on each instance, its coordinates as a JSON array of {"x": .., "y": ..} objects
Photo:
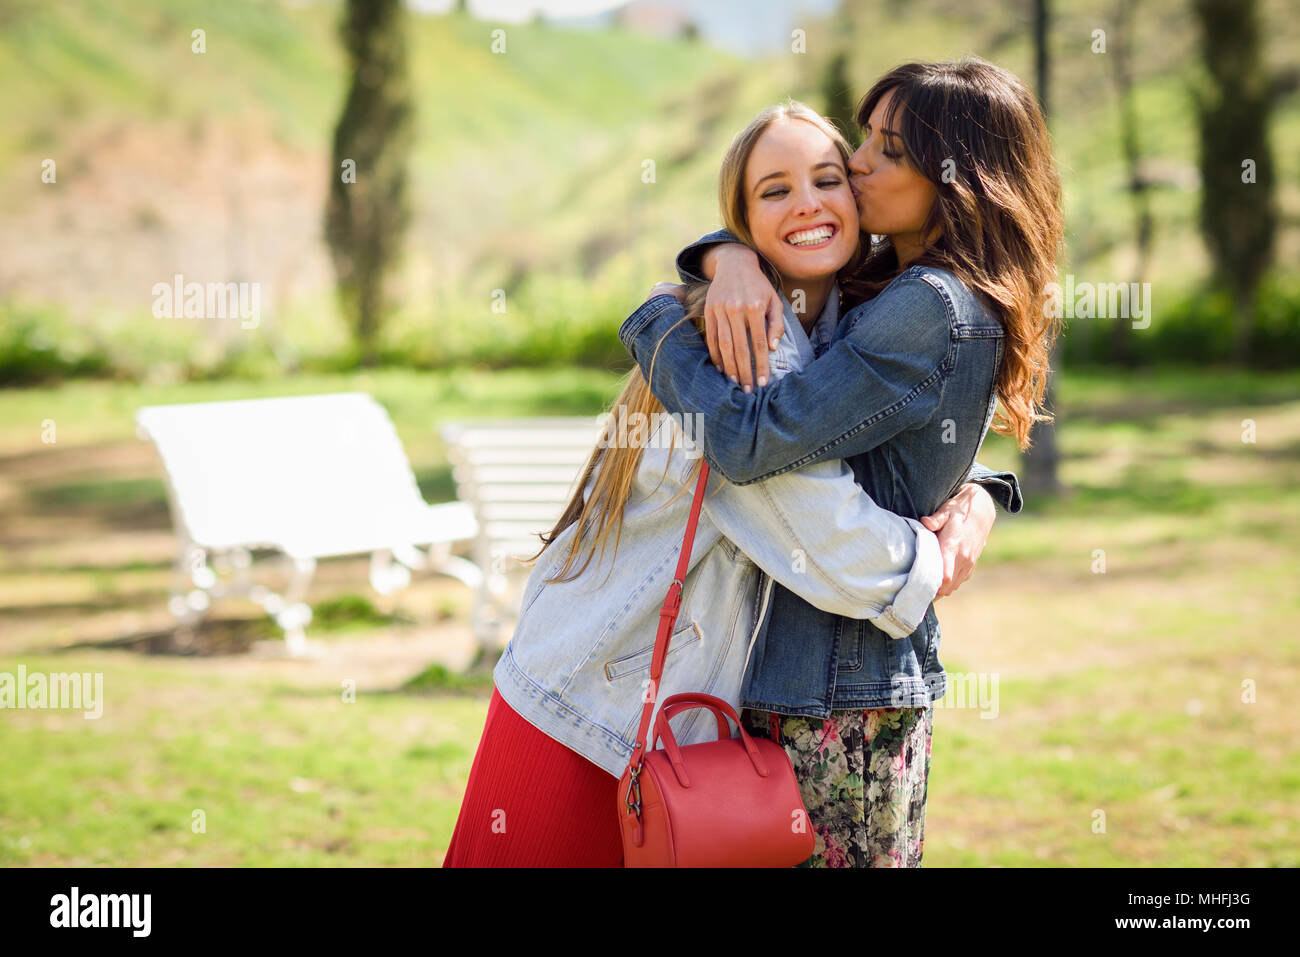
[{"x": 733, "y": 802}]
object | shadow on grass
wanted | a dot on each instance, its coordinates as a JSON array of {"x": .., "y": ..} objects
[
  {"x": 1147, "y": 413},
  {"x": 1155, "y": 392},
  {"x": 118, "y": 601},
  {"x": 437, "y": 680},
  {"x": 1143, "y": 495},
  {"x": 436, "y": 484},
  {"x": 214, "y": 637},
  {"x": 126, "y": 504},
  {"x": 101, "y": 492},
  {"x": 235, "y": 636}
]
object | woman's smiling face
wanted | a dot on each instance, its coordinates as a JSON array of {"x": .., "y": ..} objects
[{"x": 800, "y": 209}]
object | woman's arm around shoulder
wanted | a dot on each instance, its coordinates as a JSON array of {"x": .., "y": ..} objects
[{"x": 886, "y": 374}]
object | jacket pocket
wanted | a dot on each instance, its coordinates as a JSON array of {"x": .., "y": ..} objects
[
  {"x": 684, "y": 637},
  {"x": 852, "y": 641}
]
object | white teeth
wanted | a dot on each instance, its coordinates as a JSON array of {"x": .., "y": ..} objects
[{"x": 810, "y": 237}]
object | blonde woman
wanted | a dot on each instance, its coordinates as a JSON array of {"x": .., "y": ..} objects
[{"x": 569, "y": 686}]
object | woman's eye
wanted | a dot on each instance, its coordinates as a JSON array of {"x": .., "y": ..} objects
[
  {"x": 830, "y": 183},
  {"x": 892, "y": 156}
]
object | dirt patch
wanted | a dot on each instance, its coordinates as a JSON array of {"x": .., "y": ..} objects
[{"x": 212, "y": 199}]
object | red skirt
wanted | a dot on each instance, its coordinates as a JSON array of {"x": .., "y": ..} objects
[{"x": 532, "y": 802}]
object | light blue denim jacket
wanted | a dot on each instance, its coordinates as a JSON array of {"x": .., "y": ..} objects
[
  {"x": 578, "y": 662},
  {"x": 905, "y": 394}
]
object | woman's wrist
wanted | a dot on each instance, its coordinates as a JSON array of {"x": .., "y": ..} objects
[{"x": 735, "y": 253}]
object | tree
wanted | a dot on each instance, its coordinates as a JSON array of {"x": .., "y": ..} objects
[
  {"x": 837, "y": 90},
  {"x": 1122, "y": 47},
  {"x": 1041, "y": 461},
  {"x": 839, "y": 105},
  {"x": 367, "y": 213},
  {"x": 1238, "y": 215}
]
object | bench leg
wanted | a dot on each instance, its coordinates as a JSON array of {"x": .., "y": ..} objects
[
  {"x": 390, "y": 570},
  {"x": 192, "y": 582},
  {"x": 461, "y": 569},
  {"x": 293, "y": 618},
  {"x": 386, "y": 575},
  {"x": 436, "y": 558},
  {"x": 289, "y": 610},
  {"x": 492, "y": 597},
  {"x": 484, "y": 620}
]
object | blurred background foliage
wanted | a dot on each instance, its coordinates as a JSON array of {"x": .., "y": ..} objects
[{"x": 526, "y": 176}]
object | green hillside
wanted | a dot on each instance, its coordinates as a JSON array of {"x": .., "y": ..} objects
[
  {"x": 525, "y": 162},
  {"x": 527, "y": 174}
]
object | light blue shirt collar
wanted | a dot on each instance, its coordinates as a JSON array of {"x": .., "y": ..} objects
[{"x": 805, "y": 344}]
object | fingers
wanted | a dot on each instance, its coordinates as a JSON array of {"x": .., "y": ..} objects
[
  {"x": 757, "y": 332},
  {"x": 946, "y": 586},
  {"x": 775, "y": 320},
  {"x": 960, "y": 543},
  {"x": 936, "y": 521},
  {"x": 725, "y": 348},
  {"x": 742, "y": 366},
  {"x": 711, "y": 335},
  {"x": 962, "y": 569},
  {"x": 941, "y": 516},
  {"x": 949, "y": 533},
  {"x": 729, "y": 328}
]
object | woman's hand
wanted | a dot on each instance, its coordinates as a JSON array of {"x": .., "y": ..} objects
[
  {"x": 668, "y": 289},
  {"x": 741, "y": 304},
  {"x": 962, "y": 525}
]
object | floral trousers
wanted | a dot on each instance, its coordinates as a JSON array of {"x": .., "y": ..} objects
[{"x": 863, "y": 777}]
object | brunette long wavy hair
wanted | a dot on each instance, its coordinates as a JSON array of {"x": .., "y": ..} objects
[{"x": 976, "y": 132}]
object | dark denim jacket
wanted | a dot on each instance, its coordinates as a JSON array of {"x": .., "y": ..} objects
[{"x": 904, "y": 392}]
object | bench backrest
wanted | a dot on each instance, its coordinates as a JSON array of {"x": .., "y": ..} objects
[
  {"x": 518, "y": 475},
  {"x": 261, "y": 471}
]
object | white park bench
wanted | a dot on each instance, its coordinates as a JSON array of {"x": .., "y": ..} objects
[
  {"x": 311, "y": 477},
  {"x": 518, "y": 475}
]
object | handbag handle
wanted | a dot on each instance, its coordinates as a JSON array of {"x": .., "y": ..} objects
[
  {"x": 720, "y": 708},
  {"x": 684, "y": 702},
  {"x": 667, "y": 618}
]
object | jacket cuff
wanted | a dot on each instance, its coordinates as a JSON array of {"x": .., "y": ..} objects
[
  {"x": 689, "y": 266},
  {"x": 645, "y": 314},
  {"x": 905, "y": 614},
  {"x": 1003, "y": 486}
]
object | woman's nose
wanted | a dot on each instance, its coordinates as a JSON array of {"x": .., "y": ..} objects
[
  {"x": 809, "y": 203},
  {"x": 858, "y": 161}
]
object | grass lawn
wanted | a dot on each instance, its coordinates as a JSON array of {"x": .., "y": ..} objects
[{"x": 1137, "y": 638}]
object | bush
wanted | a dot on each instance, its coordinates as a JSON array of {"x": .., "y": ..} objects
[
  {"x": 38, "y": 347},
  {"x": 1198, "y": 327}
]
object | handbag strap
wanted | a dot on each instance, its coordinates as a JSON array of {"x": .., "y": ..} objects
[{"x": 667, "y": 618}]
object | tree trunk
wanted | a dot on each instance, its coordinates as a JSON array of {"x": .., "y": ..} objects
[
  {"x": 367, "y": 213},
  {"x": 1040, "y": 464},
  {"x": 1239, "y": 216},
  {"x": 1121, "y": 47}
]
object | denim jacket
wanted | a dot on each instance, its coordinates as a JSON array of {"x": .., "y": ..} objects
[
  {"x": 904, "y": 393},
  {"x": 579, "y": 660}
]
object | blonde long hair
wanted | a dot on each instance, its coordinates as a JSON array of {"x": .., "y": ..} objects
[{"x": 600, "y": 516}]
